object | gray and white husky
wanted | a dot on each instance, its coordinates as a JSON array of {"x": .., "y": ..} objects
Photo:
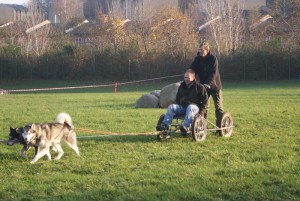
[{"x": 46, "y": 135}]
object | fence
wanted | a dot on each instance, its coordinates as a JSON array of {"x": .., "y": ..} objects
[
  {"x": 246, "y": 67},
  {"x": 240, "y": 67}
]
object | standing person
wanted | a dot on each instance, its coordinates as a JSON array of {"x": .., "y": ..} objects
[
  {"x": 191, "y": 99},
  {"x": 206, "y": 67}
]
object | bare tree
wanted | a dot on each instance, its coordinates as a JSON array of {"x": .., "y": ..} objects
[
  {"x": 63, "y": 10},
  {"x": 226, "y": 32},
  {"x": 11, "y": 33},
  {"x": 172, "y": 31},
  {"x": 37, "y": 30},
  {"x": 291, "y": 13}
]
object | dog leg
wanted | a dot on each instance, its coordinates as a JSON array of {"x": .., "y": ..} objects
[
  {"x": 36, "y": 150},
  {"x": 23, "y": 151},
  {"x": 48, "y": 155},
  {"x": 71, "y": 141},
  {"x": 75, "y": 148},
  {"x": 41, "y": 153},
  {"x": 59, "y": 150}
]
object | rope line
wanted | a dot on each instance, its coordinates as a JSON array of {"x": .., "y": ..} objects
[
  {"x": 113, "y": 133},
  {"x": 90, "y": 86},
  {"x": 146, "y": 80},
  {"x": 58, "y": 88}
]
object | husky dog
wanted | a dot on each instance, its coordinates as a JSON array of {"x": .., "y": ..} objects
[
  {"x": 45, "y": 135},
  {"x": 15, "y": 135}
]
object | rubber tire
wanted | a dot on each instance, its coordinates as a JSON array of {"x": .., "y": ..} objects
[
  {"x": 226, "y": 121},
  {"x": 160, "y": 136},
  {"x": 160, "y": 120},
  {"x": 199, "y": 128}
]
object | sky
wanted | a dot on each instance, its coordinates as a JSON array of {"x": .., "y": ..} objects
[{"x": 21, "y": 2}]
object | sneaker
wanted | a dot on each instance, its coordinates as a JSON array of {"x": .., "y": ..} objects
[
  {"x": 183, "y": 129},
  {"x": 168, "y": 136},
  {"x": 162, "y": 127}
]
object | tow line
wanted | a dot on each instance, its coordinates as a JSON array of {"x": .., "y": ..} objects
[{"x": 108, "y": 133}]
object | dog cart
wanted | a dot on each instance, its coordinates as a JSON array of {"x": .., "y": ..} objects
[{"x": 199, "y": 128}]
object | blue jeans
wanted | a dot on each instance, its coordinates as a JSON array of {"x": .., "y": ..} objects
[{"x": 176, "y": 109}]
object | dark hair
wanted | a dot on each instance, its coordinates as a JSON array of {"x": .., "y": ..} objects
[{"x": 190, "y": 71}]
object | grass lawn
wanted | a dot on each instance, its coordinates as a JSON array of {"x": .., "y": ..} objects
[{"x": 259, "y": 162}]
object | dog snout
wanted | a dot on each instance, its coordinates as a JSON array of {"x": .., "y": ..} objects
[
  {"x": 26, "y": 140},
  {"x": 10, "y": 142}
]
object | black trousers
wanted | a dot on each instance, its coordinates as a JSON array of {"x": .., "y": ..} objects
[{"x": 218, "y": 101}]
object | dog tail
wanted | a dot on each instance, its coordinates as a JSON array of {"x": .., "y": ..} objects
[{"x": 64, "y": 118}]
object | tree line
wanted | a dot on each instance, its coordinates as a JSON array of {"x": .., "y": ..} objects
[{"x": 160, "y": 44}]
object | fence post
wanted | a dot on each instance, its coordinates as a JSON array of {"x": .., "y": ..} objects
[
  {"x": 266, "y": 63},
  {"x": 116, "y": 87}
]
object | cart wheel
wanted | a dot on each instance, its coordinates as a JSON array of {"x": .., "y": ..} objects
[
  {"x": 160, "y": 120},
  {"x": 226, "y": 125},
  {"x": 199, "y": 129}
]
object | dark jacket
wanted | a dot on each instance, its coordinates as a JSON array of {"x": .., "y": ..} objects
[
  {"x": 207, "y": 69},
  {"x": 195, "y": 94}
]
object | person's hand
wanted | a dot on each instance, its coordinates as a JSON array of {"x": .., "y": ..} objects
[{"x": 206, "y": 86}]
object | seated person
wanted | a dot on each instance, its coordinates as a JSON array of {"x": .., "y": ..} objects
[{"x": 191, "y": 99}]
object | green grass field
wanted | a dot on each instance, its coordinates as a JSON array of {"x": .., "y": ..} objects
[{"x": 259, "y": 162}]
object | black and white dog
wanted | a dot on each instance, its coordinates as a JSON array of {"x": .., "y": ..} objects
[{"x": 15, "y": 136}]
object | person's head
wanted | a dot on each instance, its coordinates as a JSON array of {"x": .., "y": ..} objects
[
  {"x": 203, "y": 49},
  {"x": 189, "y": 76}
]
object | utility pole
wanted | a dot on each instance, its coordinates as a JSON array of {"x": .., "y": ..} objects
[
  {"x": 284, "y": 8},
  {"x": 126, "y": 12}
]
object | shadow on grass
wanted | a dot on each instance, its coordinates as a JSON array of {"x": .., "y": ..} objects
[
  {"x": 131, "y": 139},
  {"x": 126, "y": 139}
]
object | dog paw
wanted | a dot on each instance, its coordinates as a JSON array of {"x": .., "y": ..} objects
[
  {"x": 32, "y": 162},
  {"x": 23, "y": 154}
]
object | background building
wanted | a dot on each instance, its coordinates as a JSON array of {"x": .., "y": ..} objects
[{"x": 12, "y": 13}]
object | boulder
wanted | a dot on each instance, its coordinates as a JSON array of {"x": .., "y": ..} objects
[
  {"x": 147, "y": 101},
  {"x": 2, "y": 92},
  {"x": 168, "y": 95},
  {"x": 156, "y": 93}
]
